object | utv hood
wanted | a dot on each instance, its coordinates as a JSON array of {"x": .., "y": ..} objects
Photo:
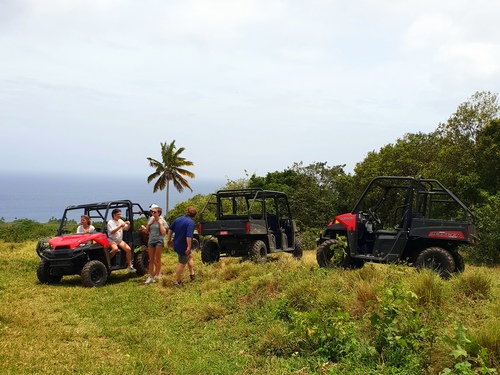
[{"x": 73, "y": 241}]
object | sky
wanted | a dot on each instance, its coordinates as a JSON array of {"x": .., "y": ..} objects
[{"x": 247, "y": 86}]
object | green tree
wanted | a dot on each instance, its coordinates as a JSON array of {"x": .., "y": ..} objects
[
  {"x": 170, "y": 169},
  {"x": 459, "y": 152},
  {"x": 488, "y": 157}
]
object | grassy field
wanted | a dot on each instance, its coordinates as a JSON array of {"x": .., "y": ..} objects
[{"x": 282, "y": 317}]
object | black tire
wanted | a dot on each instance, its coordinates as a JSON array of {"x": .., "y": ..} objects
[
  {"x": 141, "y": 262},
  {"x": 195, "y": 244},
  {"x": 258, "y": 252},
  {"x": 94, "y": 273},
  {"x": 297, "y": 250},
  {"x": 437, "y": 259},
  {"x": 210, "y": 252},
  {"x": 459, "y": 262},
  {"x": 44, "y": 276},
  {"x": 330, "y": 254}
]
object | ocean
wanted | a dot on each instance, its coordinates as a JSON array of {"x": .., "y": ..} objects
[{"x": 41, "y": 197}]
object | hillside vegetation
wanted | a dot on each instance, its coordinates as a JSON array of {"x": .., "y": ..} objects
[{"x": 281, "y": 317}]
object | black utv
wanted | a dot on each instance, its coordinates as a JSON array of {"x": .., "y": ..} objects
[
  {"x": 414, "y": 220},
  {"x": 249, "y": 223}
]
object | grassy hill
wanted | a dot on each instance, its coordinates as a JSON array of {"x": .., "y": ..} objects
[{"x": 282, "y": 317}]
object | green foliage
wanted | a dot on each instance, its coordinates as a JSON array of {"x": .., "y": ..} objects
[
  {"x": 198, "y": 202},
  {"x": 26, "y": 230},
  {"x": 488, "y": 156},
  {"x": 401, "y": 333},
  {"x": 470, "y": 357},
  {"x": 488, "y": 217}
]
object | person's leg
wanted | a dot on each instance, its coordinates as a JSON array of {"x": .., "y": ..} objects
[
  {"x": 151, "y": 255},
  {"x": 114, "y": 249},
  {"x": 128, "y": 252},
  {"x": 183, "y": 260},
  {"x": 158, "y": 251},
  {"x": 191, "y": 266}
]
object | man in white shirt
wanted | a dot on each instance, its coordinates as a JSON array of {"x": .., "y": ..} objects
[{"x": 116, "y": 226}]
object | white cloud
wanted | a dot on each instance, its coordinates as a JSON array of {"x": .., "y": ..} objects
[{"x": 249, "y": 84}]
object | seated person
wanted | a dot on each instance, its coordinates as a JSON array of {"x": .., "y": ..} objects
[
  {"x": 85, "y": 226},
  {"x": 116, "y": 226}
]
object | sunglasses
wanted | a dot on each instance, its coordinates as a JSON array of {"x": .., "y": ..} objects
[{"x": 154, "y": 212}]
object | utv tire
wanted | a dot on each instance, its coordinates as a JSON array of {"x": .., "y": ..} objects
[
  {"x": 297, "y": 251},
  {"x": 195, "y": 244},
  {"x": 44, "y": 276},
  {"x": 210, "y": 252},
  {"x": 331, "y": 254},
  {"x": 141, "y": 262},
  {"x": 258, "y": 252},
  {"x": 459, "y": 262},
  {"x": 94, "y": 273},
  {"x": 438, "y": 260}
]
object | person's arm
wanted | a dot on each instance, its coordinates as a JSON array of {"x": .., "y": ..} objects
[
  {"x": 163, "y": 226},
  {"x": 117, "y": 228},
  {"x": 189, "y": 241},
  {"x": 169, "y": 238}
]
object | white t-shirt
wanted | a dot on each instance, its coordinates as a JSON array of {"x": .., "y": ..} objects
[
  {"x": 116, "y": 237},
  {"x": 81, "y": 229}
]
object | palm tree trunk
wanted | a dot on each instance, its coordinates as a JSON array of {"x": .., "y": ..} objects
[{"x": 166, "y": 207}]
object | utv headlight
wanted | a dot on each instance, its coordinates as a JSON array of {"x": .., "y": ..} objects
[{"x": 85, "y": 244}]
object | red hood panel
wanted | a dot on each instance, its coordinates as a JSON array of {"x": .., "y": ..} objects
[{"x": 74, "y": 240}]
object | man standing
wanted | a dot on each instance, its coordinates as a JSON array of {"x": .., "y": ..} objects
[{"x": 183, "y": 227}]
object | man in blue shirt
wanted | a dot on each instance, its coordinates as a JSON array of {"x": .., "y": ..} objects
[{"x": 183, "y": 227}]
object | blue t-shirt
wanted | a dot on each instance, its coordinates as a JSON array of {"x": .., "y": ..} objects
[{"x": 182, "y": 227}]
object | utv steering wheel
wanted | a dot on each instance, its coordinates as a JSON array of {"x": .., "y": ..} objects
[{"x": 374, "y": 216}]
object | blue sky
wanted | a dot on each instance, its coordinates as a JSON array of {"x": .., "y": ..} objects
[{"x": 94, "y": 86}]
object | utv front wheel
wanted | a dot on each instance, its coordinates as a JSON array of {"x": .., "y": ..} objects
[
  {"x": 44, "y": 276},
  {"x": 94, "y": 273},
  {"x": 141, "y": 262},
  {"x": 210, "y": 252},
  {"x": 438, "y": 260},
  {"x": 258, "y": 251},
  {"x": 331, "y": 254}
]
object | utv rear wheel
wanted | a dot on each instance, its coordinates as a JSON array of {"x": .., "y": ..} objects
[
  {"x": 331, "y": 254},
  {"x": 195, "y": 244},
  {"x": 438, "y": 260},
  {"x": 94, "y": 273},
  {"x": 297, "y": 251},
  {"x": 44, "y": 276},
  {"x": 459, "y": 262},
  {"x": 258, "y": 251},
  {"x": 141, "y": 262},
  {"x": 210, "y": 252}
]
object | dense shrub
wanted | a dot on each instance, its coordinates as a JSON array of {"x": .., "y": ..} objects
[
  {"x": 487, "y": 215},
  {"x": 27, "y": 230}
]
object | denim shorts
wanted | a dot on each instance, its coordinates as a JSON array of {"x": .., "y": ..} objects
[{"x": 156, "y": 243}]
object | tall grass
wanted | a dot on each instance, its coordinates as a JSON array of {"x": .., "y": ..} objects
[{"x": 281, "y": 317}]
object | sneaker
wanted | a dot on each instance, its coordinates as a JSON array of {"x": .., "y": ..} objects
[
  {"x": 131, "y": 269},
  {"x": 192, "y": 276},
  {"x": 159, "y": 276},
  {"x": 178, "y": 283},
  {"x": 149, "y": 280}
]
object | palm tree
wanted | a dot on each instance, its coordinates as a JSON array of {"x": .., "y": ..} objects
[{"x": 170, "y": 169}]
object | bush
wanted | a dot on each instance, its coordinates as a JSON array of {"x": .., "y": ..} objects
[
  {"x": 488, "y": 215},
  {"x": 27, "y": 230}
]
